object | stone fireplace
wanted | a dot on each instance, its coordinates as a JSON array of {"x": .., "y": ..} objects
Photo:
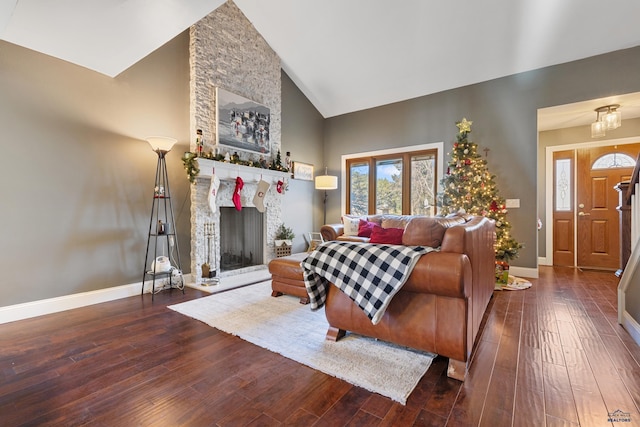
[
  {"x": 227, "y": 52},
  {"x": 206, "y": 245}
]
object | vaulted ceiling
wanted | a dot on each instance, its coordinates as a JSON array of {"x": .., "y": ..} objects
[{"x": 345, "y": 55}]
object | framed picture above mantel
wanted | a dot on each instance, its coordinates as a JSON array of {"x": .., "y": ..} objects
[{"x": 242, "y": 124}]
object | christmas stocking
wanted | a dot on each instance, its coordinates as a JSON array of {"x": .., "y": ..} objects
[
  {"x": 236, "y": 194},
  {"x": 258, "y": 199},
  {"x": 279, "y": 186},
  {"x": 213, "y": 192}
]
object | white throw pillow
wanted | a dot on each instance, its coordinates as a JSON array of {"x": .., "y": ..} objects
[{"x": 350, "y": 225}]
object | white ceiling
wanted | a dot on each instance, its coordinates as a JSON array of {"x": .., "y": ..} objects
[
  {"x": 350, "y": 55},
  {"x": 107, "y": 36}
]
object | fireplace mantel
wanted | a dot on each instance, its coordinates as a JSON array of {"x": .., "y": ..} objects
[
  {"x": 203, "y": 250},
  {"x": 229, "y": 172}
]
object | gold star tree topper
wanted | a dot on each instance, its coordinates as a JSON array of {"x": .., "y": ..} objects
[{"x": 464, "y": 125}]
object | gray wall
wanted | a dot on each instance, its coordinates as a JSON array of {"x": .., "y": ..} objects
[
  {"x": 302, "y": 135},
  {"x": 504, "y": 112},
  {"x": 76, "y": 173}
]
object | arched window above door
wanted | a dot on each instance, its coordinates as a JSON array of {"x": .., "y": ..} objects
[{"x": 614, "y": 160}]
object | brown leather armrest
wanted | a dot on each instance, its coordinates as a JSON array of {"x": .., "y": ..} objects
[
  {"x": 476, "y": 239},
  {"x": 464, "y": 238},
  {"x": 331, "y": 232},
  {"x": 444, "y": 274}
]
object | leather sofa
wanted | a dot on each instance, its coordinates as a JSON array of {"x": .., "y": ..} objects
[{"x": 441, "y": 305}]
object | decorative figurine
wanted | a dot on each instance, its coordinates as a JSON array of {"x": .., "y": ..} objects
[
  {"x": 199, "y": 143},
  {"x": 287, "y": 160}
]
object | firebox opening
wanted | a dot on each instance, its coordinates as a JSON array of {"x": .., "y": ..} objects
[{"x": 241, "y": 238}]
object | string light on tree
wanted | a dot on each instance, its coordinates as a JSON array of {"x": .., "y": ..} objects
[{"x": 468, "y": 186}]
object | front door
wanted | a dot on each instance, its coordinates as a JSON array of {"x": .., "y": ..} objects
[
  {"x": 586, "y": 227},
  {"x": 598, "y": 229}
]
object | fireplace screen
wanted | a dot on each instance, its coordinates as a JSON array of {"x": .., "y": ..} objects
[{"x": 241, "y": 238}]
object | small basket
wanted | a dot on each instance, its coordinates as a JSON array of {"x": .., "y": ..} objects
[{"x": 283, "y": 250}]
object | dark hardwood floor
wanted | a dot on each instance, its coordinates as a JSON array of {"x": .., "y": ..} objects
[{"x": 551, "y": 355}]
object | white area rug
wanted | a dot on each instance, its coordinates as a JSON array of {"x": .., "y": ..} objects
[{"x": 285, "y": 326}]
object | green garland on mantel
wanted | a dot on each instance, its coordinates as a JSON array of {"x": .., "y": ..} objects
[{"x": 189, "y": 160}]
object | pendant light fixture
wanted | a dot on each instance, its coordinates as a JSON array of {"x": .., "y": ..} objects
[{"x": 607, "y": 118}]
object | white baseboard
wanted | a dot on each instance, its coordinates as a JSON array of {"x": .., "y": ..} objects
[
  {"x": 12, "y": 313},
  {"x": 26, "y": 310},
  {"x": 531, "y": 273},
  {"x": 633, "y": 327},
  {"x": 543, "y": 261}
]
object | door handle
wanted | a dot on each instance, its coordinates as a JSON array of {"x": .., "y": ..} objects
[{"x": 583, "y": 214}]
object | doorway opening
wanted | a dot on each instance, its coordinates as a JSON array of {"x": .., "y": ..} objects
[{"x": 582, "y": 220}]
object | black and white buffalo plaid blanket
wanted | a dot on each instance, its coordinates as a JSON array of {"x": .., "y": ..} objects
[{"x": 370, "y": 274}]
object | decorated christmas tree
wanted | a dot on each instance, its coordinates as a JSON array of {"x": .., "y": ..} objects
[
  {"x": 277, "y": 164},
  {"x": 468, "y": 186}
]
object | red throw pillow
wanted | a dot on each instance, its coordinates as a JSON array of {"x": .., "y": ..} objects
[
  {"x": 389, "y": 236},
  {"x": 365, "y": 228}
]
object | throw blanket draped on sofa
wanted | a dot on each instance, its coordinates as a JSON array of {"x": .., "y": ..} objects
[{"x": 370, "y": 274}]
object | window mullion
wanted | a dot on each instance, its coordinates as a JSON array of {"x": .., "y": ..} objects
[
  {"x": 372, "y": 184},
  {"x": 406, "y": 184}
]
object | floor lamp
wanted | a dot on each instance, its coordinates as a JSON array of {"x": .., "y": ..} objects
[
  {"x": 162, "y": 225},
  {"x": 326, "y": 182}
]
